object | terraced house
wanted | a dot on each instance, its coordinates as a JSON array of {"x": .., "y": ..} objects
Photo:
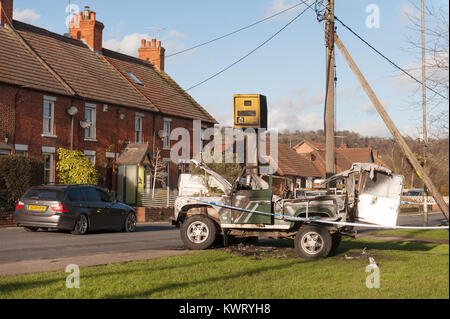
[{"x": 68, "y": 91}]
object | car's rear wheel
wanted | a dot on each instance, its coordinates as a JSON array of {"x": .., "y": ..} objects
[
  {"x": 313, "y": 242},
  {"x": 198, "y": 232},
  {"x": 81, "y": 226},
  {"x": 31, "y": 229},
  {"x": 129, "y": 225}
]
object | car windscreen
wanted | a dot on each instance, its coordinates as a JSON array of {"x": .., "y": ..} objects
[{"x": 44, "y": 194}]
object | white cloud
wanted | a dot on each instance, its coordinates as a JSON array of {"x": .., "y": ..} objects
[
  {"x": 131, "y": 43},
  {"x": 290, "y": 114},
  {"x": 26, "y": 15},
  {"x": 370, "y": 128}
]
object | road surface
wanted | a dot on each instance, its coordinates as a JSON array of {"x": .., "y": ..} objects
[{"x": 25, "y": 252}]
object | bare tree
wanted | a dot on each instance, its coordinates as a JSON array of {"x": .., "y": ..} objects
[
  {"x": 436, "y": 62},
  {"x": 159, "y": 170}
]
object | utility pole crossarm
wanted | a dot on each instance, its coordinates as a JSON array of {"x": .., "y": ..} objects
[{"x": 392, "y": 128}]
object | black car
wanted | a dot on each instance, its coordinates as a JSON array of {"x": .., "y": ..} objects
[{"x": 76, "y": 208}]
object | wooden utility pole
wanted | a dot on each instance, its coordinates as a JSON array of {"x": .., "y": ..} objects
[
  {"x": 393, "y": 129},
  {"x": 329, "y": 95},
  {"x": 424, "y": 79},
  {"x": 424, "y": 108}
]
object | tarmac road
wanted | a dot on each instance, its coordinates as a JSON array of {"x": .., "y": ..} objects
[
  {"x": 16, "y": 244},
  {"x": 24, "y": 252}
]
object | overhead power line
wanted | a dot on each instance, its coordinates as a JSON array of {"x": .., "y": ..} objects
[
  {"x": 245, "y": 56},
  {"x": 389, "y": 60},
  {"x": 238, "y": 30}
]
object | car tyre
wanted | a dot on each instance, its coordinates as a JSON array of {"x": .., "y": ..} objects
[
  {"x": 31, "y": 229},
  {"x": 313, "y": 242},
  {"x": 81, "y": 226},
  {"x": 129, "y": 225},
  {"x": 198, "y": 232}
]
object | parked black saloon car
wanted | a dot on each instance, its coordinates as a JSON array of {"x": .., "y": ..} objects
[{"x": 76, "y": 208}]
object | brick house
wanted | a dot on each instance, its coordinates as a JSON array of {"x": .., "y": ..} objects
[
  {"x": 118, "y": 99},
  {"x": 344, "y": 157}
]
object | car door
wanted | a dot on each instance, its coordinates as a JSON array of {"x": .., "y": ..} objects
[
  {"x": 97, "y": 210},
  {"x": 379, "y": 198},
  {"x": 113, "y": 212}
]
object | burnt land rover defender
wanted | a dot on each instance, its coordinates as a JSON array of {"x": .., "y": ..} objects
[{"x": 370, "y": 194}]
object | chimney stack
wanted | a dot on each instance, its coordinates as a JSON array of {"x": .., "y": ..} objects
[
  {"x": 153, "y": 52},
  {"x": 84, "y": 26},
  {"x": 6, "y": 12}
]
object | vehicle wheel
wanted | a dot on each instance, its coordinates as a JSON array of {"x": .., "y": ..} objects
[
  {"x": 31, "y": 229},
  {"x": 81, "y": 226},
  {"x": 198, "y": 232},
  {"x": 335, "y": 241},
  {"x": 130, "y": 223},
  {"x": 313, "y": 242}
]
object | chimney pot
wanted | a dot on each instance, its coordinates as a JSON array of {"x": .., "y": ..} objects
[
  {"x": 152, "y": 51},
  {"x": 143, "y": 43},
  {"x": 85, "y": 27}
]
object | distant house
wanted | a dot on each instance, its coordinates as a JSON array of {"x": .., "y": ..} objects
[
  {"x": 293, "y": 170},
  {"x": 68, "y": 91},
  {"x": 345, "y": 156}
]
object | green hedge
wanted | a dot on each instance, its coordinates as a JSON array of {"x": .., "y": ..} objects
[{"x": 17, "y": 175}]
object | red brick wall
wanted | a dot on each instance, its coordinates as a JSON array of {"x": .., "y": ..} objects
[{"x": 112, "y": 132}]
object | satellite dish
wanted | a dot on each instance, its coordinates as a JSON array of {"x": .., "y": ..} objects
[
  {"x": 162, "y": 134},
  {"x": 72, "y": 111},
  {"x": 85, "y": 124}
]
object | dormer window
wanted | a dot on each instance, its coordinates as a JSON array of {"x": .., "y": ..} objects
[{"x": 134, "y": 77}]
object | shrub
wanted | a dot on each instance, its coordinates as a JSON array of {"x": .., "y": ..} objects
[
  {"x": 17, "y": 175},
  {"x": 74, "y": 167}
]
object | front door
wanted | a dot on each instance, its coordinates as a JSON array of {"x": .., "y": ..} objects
[{"x": 379, "y": 198}]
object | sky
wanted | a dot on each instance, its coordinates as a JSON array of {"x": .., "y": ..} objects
[{"x": 289, "y": 69}]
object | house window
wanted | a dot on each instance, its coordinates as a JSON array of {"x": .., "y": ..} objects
[
  {"x": 48, "y": 158},
  {"x": 166, "y": 141},
  {"x": 135, "y": 78},
  {"x": 21, "y": 149},
  {"x": 91, "y": 117},
  {"x": 138, "y": 129},
  {"x": 5, "y": 152},
  {"x": 91, "y": 156},
  {"x": 49, "y": 116}
]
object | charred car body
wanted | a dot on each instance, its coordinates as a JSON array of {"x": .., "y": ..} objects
[{"x": 370, "y": 194}]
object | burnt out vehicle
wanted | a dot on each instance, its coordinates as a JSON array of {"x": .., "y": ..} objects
[{"x": 248, "y": 209}]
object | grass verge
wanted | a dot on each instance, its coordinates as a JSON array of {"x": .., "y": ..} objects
[
  {"x": 407, "y": 270},
  {"x": 441, "y": 234}
]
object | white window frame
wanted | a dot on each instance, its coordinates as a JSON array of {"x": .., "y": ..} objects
[
  {"x": 140, "y": 117},
  {"x": 93, "y": 128},
  {"x": 90, "y": 154},
  {"x": 50, "y": 151},
  {"x": 166, "y": 141},
  {"x": 51, "y": 101}
]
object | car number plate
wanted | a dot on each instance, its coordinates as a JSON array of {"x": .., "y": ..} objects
[{"x": 36, "y": 208}]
